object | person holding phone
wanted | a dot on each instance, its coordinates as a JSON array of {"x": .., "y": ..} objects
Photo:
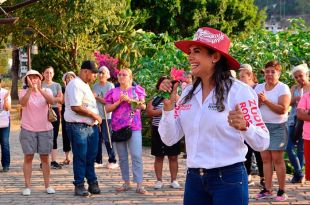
[
  {"x": 216, "y": 114},
  {"x": 36, "y": 135}
]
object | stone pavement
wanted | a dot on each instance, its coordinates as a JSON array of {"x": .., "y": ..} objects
[{"x": 11, "y": 184}]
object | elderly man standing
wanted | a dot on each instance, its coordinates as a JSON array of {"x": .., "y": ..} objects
[{"x": 82, "y": 118}]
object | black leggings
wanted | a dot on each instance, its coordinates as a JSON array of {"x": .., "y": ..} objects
[
  {"x": 248, "y": 162},
  {"x": 66, "y": 146},
  {"x": 56, "y": 125}
]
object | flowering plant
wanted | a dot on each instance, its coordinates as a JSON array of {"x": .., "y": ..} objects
[
  {"x": 108, "y": 61},
  {"x": 177, "y": 75}
]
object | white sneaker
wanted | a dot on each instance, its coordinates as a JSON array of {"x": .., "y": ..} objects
[
  {"x": 97, "y": 165},
  {"x": 112, "y": 165},
  {"x": 50, "y": 190},
  {"x": 175, "y": 185},
  {"x": 26, "y": 192},
  {"x": 158, "y": 185}
]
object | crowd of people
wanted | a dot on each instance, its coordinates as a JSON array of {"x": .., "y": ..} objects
[{"x": 227, "y": 123}]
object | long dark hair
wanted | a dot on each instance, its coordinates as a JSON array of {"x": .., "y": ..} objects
[{"x": 222, "y": 80}]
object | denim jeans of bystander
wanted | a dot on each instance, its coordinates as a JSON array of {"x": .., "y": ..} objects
[
  {"x": 84, "y": 142},
  {"x": 296, "y": 156},
  {"x": 5, "y": 147}
]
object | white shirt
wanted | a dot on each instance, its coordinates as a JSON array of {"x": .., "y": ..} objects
[
  {"x": 273, "y": 96},
  {"x": 4, "y": 115},
  {"x": 78, "y": 93},
  {"x": 210, "y": 141}
]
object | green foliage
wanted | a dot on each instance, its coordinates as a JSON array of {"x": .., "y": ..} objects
[
  {"x": 183, "y": 17},
  {"x": 150, "y": 68},
  {"x": 70, "y": 31},
  {"x": 4, "y": 60},
  {"x": 55, "y": 57},
  {"x": 289, "y": 47}
]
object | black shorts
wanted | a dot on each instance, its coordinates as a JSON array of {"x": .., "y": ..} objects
[{"x": 159, "y": 149}]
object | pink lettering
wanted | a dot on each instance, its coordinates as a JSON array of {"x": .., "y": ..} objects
[
  {"x": 254, "y": 110},
  {"x": 257, "y": 118},
  {"x": 243, "y": 104},
  {"x": 252, "y": 102}
]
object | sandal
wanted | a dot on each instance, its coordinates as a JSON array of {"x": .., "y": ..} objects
[
  {"x": 141, "y": 190},
  {"x": 123, "y": 188},
  {"x": 65, "y": 162}
]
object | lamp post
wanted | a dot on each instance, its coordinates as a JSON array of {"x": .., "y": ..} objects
[{"x": 31, "y": 49}]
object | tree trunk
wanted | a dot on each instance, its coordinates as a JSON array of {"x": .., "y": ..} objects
[
  {"x": 73, "y": 60},
  {"x": 15, "y": 71}
]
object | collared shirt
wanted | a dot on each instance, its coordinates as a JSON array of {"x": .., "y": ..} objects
[
  {"x": 210, "y": 141},
  {"x": 78, "y": 93}
]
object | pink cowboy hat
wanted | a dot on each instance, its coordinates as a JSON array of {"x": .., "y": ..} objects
[{"x": 213, "y": 39}]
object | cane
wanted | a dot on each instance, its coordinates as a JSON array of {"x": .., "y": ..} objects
[{"x": 107, "y": 124}]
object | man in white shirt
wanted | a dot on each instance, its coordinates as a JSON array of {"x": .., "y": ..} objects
[{"x": 82, "y": 118}]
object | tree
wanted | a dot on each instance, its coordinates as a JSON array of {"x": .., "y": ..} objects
[
  {"x": 68, "y": 32},
  {"x": 183, "y": 17},
  {"x": 289, "y": 47}
]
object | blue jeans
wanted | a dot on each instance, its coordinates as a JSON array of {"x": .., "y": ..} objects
[
  {"x": 103, "y": 136},
  {"x": 5, "y": 146},
  {"x": 135, "y": 148},
  {"x": 296, "y": 158},
  {"x": 84, "y": 142},
  {"x": 218, "y": 186}
]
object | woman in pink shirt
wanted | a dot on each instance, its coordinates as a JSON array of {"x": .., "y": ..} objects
[
  {"x": 120, "y": 102},
  {"x": 36, "y": 134}
]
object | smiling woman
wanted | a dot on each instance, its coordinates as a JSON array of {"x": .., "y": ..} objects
[
  {"x": 210, "y": 115},
  {"x": 58, "y": 99}
]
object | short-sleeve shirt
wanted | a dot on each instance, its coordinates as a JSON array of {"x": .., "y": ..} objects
[
  {"x": 100, "y": 92},
  {"x": 273, "y": 96},
  {"x": 304, "y": 104},
  {"x": 121, "y": 115},
  {"x": 156, "y": 119},
  {"x": 78, "y": 93},
  {"x": 34, "y": 114},
  {"x": 55, "y": 88}
]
